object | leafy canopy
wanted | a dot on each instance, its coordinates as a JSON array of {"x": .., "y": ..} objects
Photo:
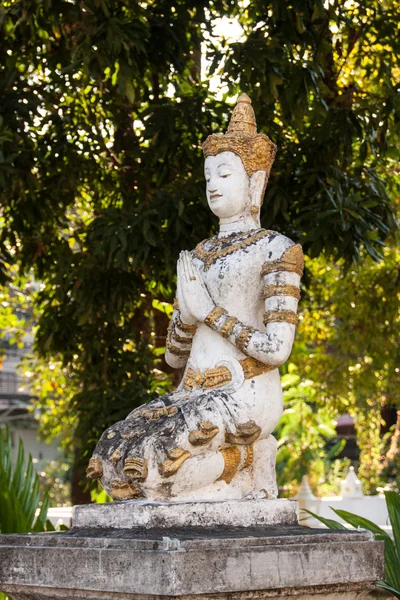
[{"x": 103, "y": 105}]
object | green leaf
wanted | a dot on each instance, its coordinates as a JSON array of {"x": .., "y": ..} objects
[
  {"x": 357, "y": 521},
  {"x": 388, "y": 588},
  {"x": 130, "y": 92},
  {"x": 393, "y": 506},
  {"x": 19, "y": 491},
  {"x": 330, "y": 523}
]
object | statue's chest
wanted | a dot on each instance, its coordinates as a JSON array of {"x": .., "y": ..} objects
[{"x": 235, "y": 278}]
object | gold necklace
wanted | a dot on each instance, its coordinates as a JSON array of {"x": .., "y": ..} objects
[{"x": 211, "y": 250}]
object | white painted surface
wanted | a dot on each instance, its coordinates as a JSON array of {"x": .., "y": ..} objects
[
  {"x": 351, "y": 486},
  {"x": 369, "y": 507}
]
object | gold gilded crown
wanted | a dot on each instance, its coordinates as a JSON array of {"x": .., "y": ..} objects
[{"x": 255, "y": 149}]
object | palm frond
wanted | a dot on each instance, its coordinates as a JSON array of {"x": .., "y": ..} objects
[{"x": 19, "y": 491}]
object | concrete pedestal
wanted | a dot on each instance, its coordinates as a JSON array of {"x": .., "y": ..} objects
[{"x": 194, "y": 558}]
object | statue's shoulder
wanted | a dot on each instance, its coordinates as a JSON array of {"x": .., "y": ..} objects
[{"x": 281, "y": 250}]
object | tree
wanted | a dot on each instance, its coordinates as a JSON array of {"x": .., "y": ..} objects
[
  {"x": 349, "y": 344},
  {"x": 103, "y": 109}
]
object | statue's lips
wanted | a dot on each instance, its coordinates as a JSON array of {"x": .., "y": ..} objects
[{"x": 215, "y": 196}]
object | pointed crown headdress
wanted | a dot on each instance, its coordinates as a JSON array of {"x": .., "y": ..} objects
[{"x": 255, "y": 149}]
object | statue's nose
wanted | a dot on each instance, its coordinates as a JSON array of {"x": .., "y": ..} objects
[{"x": 213, "y": 190}]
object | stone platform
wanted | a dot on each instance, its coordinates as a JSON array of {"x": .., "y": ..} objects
[
  {"x": 195, "y": 561},
  {"x": 150, "y": 515}
]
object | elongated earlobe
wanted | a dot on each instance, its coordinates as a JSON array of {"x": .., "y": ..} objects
[{"x": 256, "y": 190}]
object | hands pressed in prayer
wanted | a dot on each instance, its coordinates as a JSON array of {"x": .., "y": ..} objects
[{"x": 194, "y": 300}]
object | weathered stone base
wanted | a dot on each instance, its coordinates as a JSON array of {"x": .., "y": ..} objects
[
  {"x": 192, "y": 563},
  {"x": 153, "y": 515},
  {"x": 336, "y": 592}
]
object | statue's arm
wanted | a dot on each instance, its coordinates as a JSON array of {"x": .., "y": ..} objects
[
  {"x": 281, "y": 279},
  {"x": 179, "y": 340}
]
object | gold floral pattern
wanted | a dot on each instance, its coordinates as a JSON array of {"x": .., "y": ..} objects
[
  {"x": 220, "y": 376},
  {"x": 208, "y": 379}
]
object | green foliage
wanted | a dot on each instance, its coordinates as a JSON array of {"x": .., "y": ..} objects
[
  {"x": 313, "y": 71},
  {"x": 103, "y": 105},
  {"x": 392, "y": 547},
  {"x": 303, "y": 434},
  {"x": 348, "y": 342},
  {"x": 20, "y": 491}
]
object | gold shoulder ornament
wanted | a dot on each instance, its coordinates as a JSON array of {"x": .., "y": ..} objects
[{"x": 291, "y": 260}]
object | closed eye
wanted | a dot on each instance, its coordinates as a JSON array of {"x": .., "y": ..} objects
[{"x": 225, "y": 175}]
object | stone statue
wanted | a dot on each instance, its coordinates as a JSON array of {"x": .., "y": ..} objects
[{"x": 233, "y": 325}]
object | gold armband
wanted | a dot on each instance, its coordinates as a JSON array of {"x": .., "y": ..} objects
[
  {"x": 280, "y": 316},
  {"x": 213, "y": 317},
  {"x": 291, "y": 260},
  {"x": 281, "y": 290},
  {"x": 175, "y": 337},
  {"x": 178, "y": 351},
  {"x": 189, "y": 329}
]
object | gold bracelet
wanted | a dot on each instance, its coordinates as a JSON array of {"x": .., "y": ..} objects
[
  {"x": 175, "y": 350},
  {"x": 213, "y": 316},
  {"x": 175, "y": 337},
  {"x": 279, "y": 316},
  {"x": 281, "y": 290},
  {"x": 189, "y": 329},
  {"x": 228, "y": 326},
  {"x": 243, "y": 339}
]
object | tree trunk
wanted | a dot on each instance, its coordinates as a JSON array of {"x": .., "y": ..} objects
[{"x": 79, "y": 495}]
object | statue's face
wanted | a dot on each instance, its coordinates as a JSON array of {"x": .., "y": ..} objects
[{"x": 228, "y": 185}]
